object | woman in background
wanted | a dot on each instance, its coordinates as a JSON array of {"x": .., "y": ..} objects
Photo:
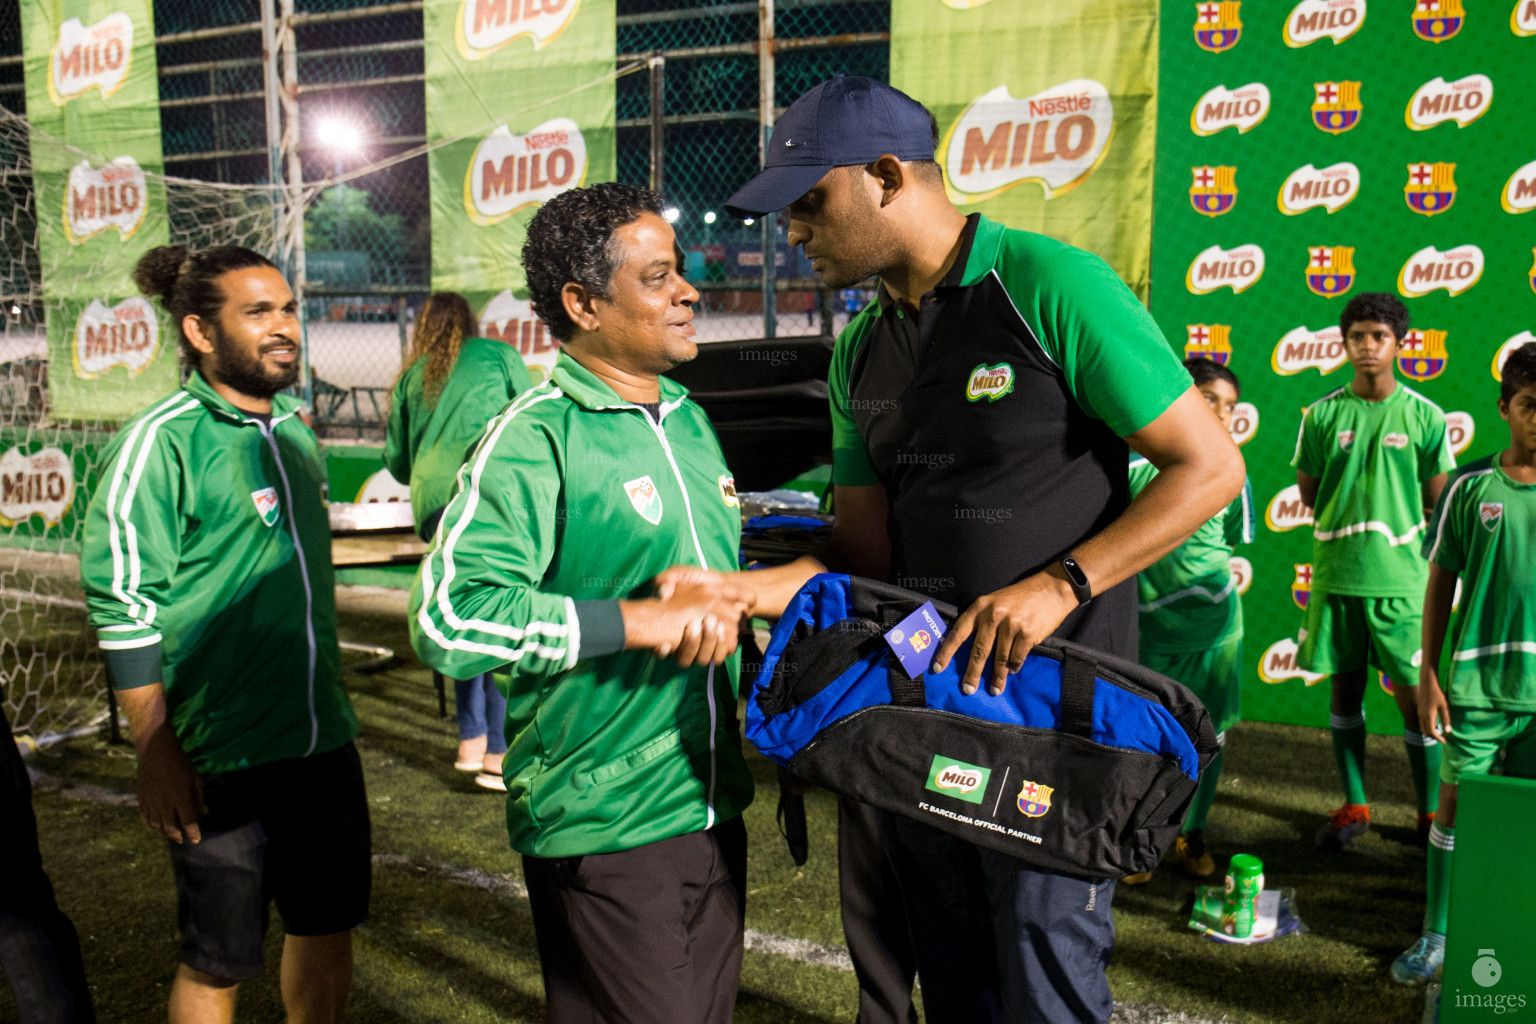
[{"x": 451, "y": 384}]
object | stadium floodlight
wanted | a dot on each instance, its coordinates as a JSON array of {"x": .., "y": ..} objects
[
  {"x": 340, "y": 136},
  {"x": 671, "y": 214},
  {"x": 709, "y": 217},
  {"x": 749, "y": 221}
]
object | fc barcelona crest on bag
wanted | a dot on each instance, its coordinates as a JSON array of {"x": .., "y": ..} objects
[
  {"x": 1034, "y": 799},
  {"x": 1217, "y": 25}
]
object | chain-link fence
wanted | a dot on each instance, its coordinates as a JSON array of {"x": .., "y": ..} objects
[{"x": 368, "y": 241}]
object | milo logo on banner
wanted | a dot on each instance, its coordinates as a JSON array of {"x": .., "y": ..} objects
[
  {"x": 1312, "y": 20},
  {"x": 1333, "y": 188},
  {"x": 485, "y": 26},
  {"x": 1460, "y": 428},
  {"x": 509, "y": 172},
  {"x": 1056, "y": 137},
  {"x": 127, "y": 334},
  {"x": 510, "y": 319},
  {"x": 99, "y": 200},
  {"x": 1302, "y": 348},
  {"x": 39, "y": 484},
  {"x": 1519, "y": 195},
  {"x": 1238, "y": 269},
  {"x": 1438, "y": 101},
  {"x": 84, "y": 58},
  {"x": 1286, "y": 511},
  {"x": 1454, "y": 270},
  {"x": 1241, "y": 108},
  {"x": 1278, "y": 663}
]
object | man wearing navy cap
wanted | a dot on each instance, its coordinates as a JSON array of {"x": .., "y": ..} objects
[{"x": 981, "y": 411}]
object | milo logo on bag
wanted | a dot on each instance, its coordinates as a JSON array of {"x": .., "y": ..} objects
[{"x": 962, "y": 781}]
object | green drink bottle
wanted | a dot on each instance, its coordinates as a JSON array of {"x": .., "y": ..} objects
[{"x": 1239, "y": 908}]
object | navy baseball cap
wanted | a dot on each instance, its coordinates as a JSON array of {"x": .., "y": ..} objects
[{"x": 844, "y": 120}]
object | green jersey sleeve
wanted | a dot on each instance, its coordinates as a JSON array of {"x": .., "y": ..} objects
[
  {"x": 851, "y": 465},
  {"x": 1238, "y": 525},
  {"x": 1117, "y": 364},
  {"x": 130, "y": 549},
  {"x": 1444, "y": 541},
  {"x": 1309, "y": 448},
  {"x": 476, "y": 604},
  {"x": 1435, "y": 450},
  {"x": 397, "y": 435}
]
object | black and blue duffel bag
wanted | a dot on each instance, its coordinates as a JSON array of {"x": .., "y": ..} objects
[{"x": 1085, "y": 764}]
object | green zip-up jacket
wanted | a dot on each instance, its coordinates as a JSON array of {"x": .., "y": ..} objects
[
  {"x": 206, "y": 563},
  {"x": 576, "y": 495},
  {"x": 425, "y": 446}
]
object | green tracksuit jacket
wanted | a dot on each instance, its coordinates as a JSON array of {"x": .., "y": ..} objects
[
  {"x": 206, "y": 563},
  {"x": 425, "y": 446},
  {"x": 576, "y": 495}
]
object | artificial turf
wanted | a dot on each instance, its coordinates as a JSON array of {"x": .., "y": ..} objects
[{"x": 450, "y": 938}]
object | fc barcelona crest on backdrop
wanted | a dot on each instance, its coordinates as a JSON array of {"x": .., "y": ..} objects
[
  {"x": 1035, "y": 799},
  {"x": 1217, "y": 26},
  {"x": 1301, "y": 588},
  {"x": 1330, "y": 269},
  {"x": 1209, "y": 341},
  {"x": 1336, "y": 106},
  {"x": 1423, "y": 355},
  {"x": 1431, "y": 188},
  {"x": 1214, "y": 190},
  {"x": 1530, "y": 275},
  {"x": 1438, "y": 20}
]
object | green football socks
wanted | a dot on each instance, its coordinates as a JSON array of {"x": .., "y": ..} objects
[
  {"x": 1437, "y": 877},
  {"x": 1424, "y": 762},
  {"x": 1349, "y": 751}
]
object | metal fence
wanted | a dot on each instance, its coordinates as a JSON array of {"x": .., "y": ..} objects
[{"x": 727, "y": 68}]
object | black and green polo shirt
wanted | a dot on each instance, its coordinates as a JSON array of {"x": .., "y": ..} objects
[{"x": 994, "y": 417}]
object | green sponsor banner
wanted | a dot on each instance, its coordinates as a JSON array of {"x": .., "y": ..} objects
[
  {"x": 504, "y": 83},
  {"x": 46, "y": 480},
  {"x": 93, "y": 95},
  {"x": 1296, "y": 168},
  {"x": 1047, "y": 122},
  {"x": 957, "y": 779}
]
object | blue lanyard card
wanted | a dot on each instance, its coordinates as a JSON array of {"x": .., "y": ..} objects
[{"x": 914, "y": 637}]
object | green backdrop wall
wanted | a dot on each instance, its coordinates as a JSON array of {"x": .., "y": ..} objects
[{"x": 1310, "y": 152}]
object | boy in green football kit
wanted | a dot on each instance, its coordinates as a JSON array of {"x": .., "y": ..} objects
[
  {"x": 1482, "y": 531},
  {"x": 1370, "y": 458},
  {"x": 1191, "y": 620}
]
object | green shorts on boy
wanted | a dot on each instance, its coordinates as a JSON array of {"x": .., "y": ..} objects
[
  {"x": 1371, "y": 454},
  {"x": 1484, "y": 532}
]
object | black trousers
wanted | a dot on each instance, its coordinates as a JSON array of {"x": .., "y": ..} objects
[
  {"x": 39, "y": 949},
  {"x": 874, "y": 917},
  {"x": 651, "y": 935}
]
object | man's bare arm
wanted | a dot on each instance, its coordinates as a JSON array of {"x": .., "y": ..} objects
[
  {"x": 1199, "y": 473},
  {"x": 1434, "y": 710},
  {"x": 1432, "y": 488},
  {"x": 170, "y": 791}
]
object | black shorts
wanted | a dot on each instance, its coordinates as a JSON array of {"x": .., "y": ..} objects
[{"x": 292, "y": 832}]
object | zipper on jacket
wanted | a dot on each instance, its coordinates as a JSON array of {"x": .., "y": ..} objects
[
  {"x": 309, "y": 597},
  {"x": 709, "y": 679}
]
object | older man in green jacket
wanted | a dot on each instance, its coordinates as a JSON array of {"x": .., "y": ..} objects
[{"x": 624, "y": 769}]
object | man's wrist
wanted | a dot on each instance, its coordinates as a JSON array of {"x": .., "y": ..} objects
[{"x": 1061, "y": 586}]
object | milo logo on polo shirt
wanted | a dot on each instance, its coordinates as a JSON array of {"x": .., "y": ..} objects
[
  {"x": 989, "y": 382},
  {"x": 954, "y": 778},
  {"x": 266, "y": 504}
]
